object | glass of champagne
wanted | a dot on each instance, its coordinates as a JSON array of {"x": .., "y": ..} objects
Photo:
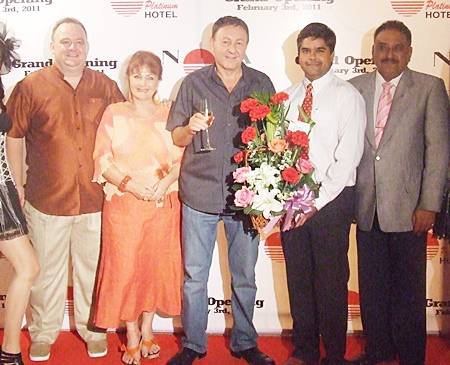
[{"x": 206, "y": 110}]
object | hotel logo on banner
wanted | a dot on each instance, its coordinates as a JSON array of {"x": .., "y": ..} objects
[
  {"x": 152, "y": 9},
  {"x": 279, "y": 5},
  {"x": 354, "y": 308},
  {"x": 432, "y": 247},
  {"x": 19, "y": 6},
  {"x": 196, "y": 59},
  {"x": 433, "y": 9},
  {"x": 272, "y": 247}
]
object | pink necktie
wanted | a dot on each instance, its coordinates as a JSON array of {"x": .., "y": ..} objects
[
  {"x": 384, "y": 105},
  {"x": 307, "y": 102}
]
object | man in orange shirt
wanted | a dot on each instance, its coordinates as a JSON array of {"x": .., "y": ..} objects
[{"x": 56, "y": 111}]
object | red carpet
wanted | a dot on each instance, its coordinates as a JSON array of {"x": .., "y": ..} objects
[{"x": 69, "y": 349}]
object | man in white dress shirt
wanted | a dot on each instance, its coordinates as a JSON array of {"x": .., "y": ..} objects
[{"x": 316, "y": 248}]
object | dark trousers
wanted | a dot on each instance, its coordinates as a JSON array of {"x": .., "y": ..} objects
[
  {"x": 317, "y": 275},
  {"x": 392, "y": 287}
]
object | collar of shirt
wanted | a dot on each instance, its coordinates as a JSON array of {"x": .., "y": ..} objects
[
  {"x": 244, "y": 78},
  {"x": 320, "y": 83},
  {"x": 54, "y": 69}
]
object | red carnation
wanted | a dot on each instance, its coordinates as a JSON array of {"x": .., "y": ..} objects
[
  {"x": 248, "y": 105},
  {"x": 248, "y": 135},
  {"x": 259, "y": 112},
  {"x": 290, "y": 175},
  {"x": 298, "y": 138},
  {"x": 278, "y": 98},
  {"x": 238, "y": 157}
]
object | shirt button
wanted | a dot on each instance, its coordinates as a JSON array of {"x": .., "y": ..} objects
[{"x": 378, "y": 158}]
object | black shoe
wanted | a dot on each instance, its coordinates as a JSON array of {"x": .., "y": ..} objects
[
  {"x": 362, "y": 359},
  {"x": 186, "y": 356},
  {"x": 254, "y": 356}
]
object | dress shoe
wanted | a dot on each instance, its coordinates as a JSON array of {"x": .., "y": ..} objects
[
  {"x": 186, "y": 356},
  {"x": 97, "y": 348},
  {"x": 254, "y": 356},
  {"x": 40, "y": 351},
  {"x": 362, "y": 359},
  {"x": 295, "y": 361}
]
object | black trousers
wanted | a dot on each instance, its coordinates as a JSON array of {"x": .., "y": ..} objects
[
  {"x": 392, "y": 288},
  {"x": 317, "y": 275}
]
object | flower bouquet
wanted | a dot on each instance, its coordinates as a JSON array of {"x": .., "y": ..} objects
[{"x": 274, "y": 177}]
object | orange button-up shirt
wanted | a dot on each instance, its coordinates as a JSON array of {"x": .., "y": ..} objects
[{"x": 59, "y": 124}]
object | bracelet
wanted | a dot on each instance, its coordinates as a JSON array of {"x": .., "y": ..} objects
[{"x": 123, "y": 184}]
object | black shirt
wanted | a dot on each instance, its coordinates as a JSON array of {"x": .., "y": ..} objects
[{"x": 206, "y": 178}]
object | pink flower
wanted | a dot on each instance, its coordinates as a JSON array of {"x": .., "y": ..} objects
[
  {"x": 240, "y": 174},
  {"x": 304, "y": 166},
  {"x": 243, "y": 198}
]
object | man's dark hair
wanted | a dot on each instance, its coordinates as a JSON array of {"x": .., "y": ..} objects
[
  {"x": 395, "y": 25},
  {"x": 229, "y": 20},
  {"x": 317, "y": 30}
]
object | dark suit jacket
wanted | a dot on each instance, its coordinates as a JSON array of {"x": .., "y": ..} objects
[{"x": 409, "y": 168}]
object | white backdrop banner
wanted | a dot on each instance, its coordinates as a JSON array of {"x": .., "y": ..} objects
[{"x": 178, "y": 31}]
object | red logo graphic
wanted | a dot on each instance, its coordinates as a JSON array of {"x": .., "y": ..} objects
[
  {"x": 197, "y": 59},
  {"x": 354, "y": 309},
  {"x": 272, "y": 247},
  {"x": 432, "y": 246},
  {"x": 127, "y": 7},
  {"x": 407, "y": 8},
  {"x": 69, "y": 310}
]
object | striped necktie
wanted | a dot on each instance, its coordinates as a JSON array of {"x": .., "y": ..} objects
[
  {"x": 307, "y": 102},
  {"x": 384, "y": 105}
]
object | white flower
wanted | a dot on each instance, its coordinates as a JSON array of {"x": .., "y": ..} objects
[
  {"x": 266, "y": 201},
  {"x": 266, "y": 174}
]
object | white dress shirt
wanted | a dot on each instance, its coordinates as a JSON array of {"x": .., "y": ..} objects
[{"x": 337, "y": 139}]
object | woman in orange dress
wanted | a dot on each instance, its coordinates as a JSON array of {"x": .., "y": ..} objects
[{"x": 140, "y": 268}]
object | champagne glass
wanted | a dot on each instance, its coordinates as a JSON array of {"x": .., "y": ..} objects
[{"x": 205, "y": 109}]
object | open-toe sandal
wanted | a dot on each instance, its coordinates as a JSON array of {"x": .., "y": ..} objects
[
  {"x": 131, "y": 352},
  {"x": 151, "y": 344}
]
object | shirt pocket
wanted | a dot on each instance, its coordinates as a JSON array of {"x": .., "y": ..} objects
[
  {"x": 324, "y": 129},
  {"x": 94, "y": 109}
]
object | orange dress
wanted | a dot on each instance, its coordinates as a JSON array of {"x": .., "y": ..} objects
[{"x": 140, "y": 268}]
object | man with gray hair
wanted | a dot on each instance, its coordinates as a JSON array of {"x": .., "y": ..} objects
[
  {"x": 55, "y": 112},
  {"x": 205, "y": 191}
]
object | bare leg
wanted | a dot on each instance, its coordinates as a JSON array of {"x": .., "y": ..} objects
[
  {"x": 132, "y": 355},
  {"x": 22, "y": 257},
  {"x": 147, "y": 335}
]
